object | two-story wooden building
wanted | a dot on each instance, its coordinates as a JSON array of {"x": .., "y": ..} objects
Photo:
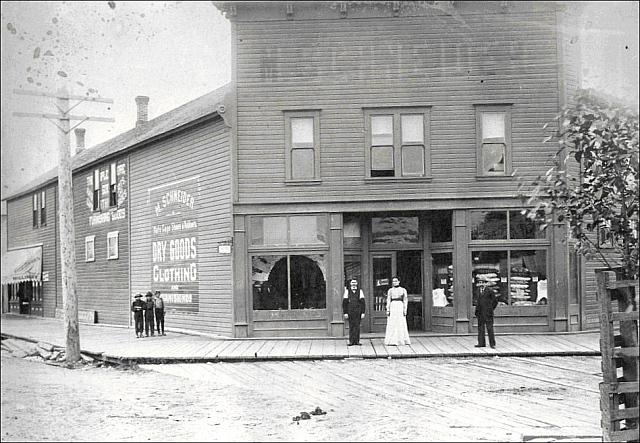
[
  {"x": 375, "y": 139},
  {"x": 357, "y": 139},
  {"x": 151, "y": 207}
]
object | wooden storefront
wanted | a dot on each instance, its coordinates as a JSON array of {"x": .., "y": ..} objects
[{"x": 296, "y": 267}]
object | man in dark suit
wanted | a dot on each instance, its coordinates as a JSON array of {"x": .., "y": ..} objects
[
  {"x": 485, "y": 306},
  {"x": 353, "y": 306}
]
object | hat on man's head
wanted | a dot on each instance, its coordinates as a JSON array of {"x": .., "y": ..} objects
[
  {"x": 149, "y": 294},
  {"x": 138, "y": 296},
  {"x": 158, "y": 292}
]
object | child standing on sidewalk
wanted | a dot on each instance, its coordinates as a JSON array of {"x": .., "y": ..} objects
[{"x": 159, "y": 307}]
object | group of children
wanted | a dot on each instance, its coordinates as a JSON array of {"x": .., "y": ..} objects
[{"x": 148, "y": 312}]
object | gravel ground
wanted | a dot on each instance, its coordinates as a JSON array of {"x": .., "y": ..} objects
[{"x": 257, "y": 402}]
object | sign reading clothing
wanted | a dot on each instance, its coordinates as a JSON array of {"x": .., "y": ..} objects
[{"x": 174, "y": 244}]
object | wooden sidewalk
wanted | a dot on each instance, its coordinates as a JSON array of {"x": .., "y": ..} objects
[{"x": 118, "y": 343}]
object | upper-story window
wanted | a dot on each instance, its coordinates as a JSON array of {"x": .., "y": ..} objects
[
  {"x": 96, "y": 189},
  {"x": 113, "y": 187},
  {"x": 397, "y": 142},
  {"x": 35, "y": 210},
  {"x": 493, "y": 152},
  {"x": 112, "y": 245},
  {"x": 90, "y": 248},
  {"x": 302, "y": 132},
  {"x": 43, "y": 208}
]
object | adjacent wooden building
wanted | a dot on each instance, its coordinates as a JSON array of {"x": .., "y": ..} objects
[{"x": 357, "y": 139}]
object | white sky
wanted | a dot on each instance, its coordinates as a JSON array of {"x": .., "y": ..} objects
[{"x": 174, "y": 52}]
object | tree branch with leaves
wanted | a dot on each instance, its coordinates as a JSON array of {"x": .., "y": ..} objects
[{"x": 593, "y": 183}]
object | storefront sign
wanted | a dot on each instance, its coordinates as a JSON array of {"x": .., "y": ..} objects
[
  {"x": 175, "y": 243},
  {"x": 22, "y": 265},
  {"x": 107, "y": 217}
]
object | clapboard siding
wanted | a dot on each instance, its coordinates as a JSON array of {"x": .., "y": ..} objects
[
  {"x": 21, "y": 233},
  {"x": 103, "y": 284},
  {"x": 340, "y": 66},
  {"x": 201, "y": 151}
]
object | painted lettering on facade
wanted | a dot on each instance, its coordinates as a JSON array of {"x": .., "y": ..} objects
[
  {"x": 122, "y": 183},
  {"x": 174, "y": 244},
  {"x": 107, "y": 217}
]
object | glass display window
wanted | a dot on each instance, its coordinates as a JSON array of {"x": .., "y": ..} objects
[
  {"x": 288, "y": 282},
  {"x": 442, "y": 274},
  {"x": 519, "y": 277},
  {"x": 490, "y": 267}
]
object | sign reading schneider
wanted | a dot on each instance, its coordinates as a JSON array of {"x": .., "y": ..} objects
[{"x": 174, "y": 243}]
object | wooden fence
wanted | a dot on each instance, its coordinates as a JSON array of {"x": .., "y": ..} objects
[{"x": 619, "y": 348}]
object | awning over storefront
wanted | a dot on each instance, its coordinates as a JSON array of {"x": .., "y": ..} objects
[{"x": 22, "y": 265}]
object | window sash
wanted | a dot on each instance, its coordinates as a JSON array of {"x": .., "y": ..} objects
[
  {"x": 89, "y": 248},
  {"x": 112, "y": 245},
  {"x": 96, "y": 189},
  {"x": 113, "y": 194},
  {"x": 302, "y": 143},
  {"x": 493, "y": 154},
  {"x": 43, "y": 209},
  {"x": 35, "y": 210},
  {"x": 395, "y": 139}
]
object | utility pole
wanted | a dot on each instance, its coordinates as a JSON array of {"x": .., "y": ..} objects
[{"x": 65, "y": 210}]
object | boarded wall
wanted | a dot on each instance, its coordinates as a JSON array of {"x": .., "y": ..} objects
[
  {"x": 341, "y": 66},
  {"x": 180, "y": 192},
  {"x": 103, "y": 284}
]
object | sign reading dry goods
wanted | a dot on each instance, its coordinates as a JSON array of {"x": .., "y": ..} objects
[{"x": 174, "y": 244}]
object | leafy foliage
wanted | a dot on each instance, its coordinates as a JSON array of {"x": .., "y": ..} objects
[{"x": 593, "y": 184}]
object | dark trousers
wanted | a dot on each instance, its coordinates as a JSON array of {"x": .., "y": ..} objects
[
  {"x": 160, "y": 320},
  {"x": 488, "y": 322},
  {"x": 139, "y": 323},
  {"x": 354, "y": 328},
  {"x": 148, "y": 322}
]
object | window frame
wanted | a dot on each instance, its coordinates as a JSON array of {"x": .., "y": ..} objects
[
  {"x": 508, "y": 234},
  {"x": 289, "y": 245},
  {"x": 113, "y": 185},
  {"x": 90, "y": 239},
  {"x": 508, "y": 150},
  {"x": 397, "y": 113},
  {"x": 96, "y": 190},
  {"x": 110, "y": 235},
  {"x": 289, "y": 148},
  {"x": 35, "y": 209},
  {"x": 43, "y": 208},
  {"x": 324, "y": 257}
]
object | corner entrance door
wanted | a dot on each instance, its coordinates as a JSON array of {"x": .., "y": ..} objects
[{"x": 384, "y": 268}]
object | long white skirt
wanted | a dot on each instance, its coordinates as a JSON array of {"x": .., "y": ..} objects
[{"x": 397, "y": 332}]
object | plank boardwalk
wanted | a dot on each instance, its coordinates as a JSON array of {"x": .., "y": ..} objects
[{"x": 121, "y": 343}]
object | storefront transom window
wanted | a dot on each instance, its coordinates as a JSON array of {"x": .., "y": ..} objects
[
  {"x": 503, "y": 225},
  {"x": 288, "y": 230}
]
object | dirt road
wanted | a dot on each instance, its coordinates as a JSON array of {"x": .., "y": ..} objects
[{"x": 484, "y": 399}]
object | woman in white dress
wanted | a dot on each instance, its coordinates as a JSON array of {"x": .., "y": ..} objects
[{"x": 397, "y": 302}]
